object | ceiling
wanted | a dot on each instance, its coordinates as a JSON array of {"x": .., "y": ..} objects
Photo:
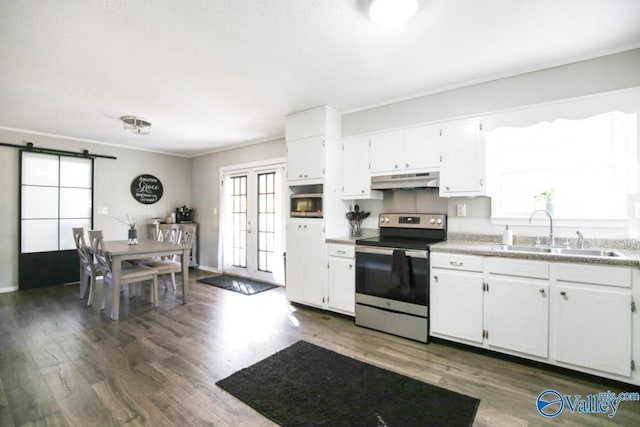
[{"x": 211, "y": 74}]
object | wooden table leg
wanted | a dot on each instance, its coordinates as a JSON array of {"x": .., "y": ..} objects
[
  {"x": 185, "y": 275},
  {"x": 116, "y": 268}
]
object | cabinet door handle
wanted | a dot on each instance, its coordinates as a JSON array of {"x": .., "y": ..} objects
[
  {"x": 350, "y": 266},
  {"x": 406, "y": 165},
  {"x": 395, "y": 166},
  {"x": 435, "y": 278},
  {"x": 306, "y": 175},
  {"x": 362, "y": 191},
  {"x": 300, "y": 176},
  {"x": 342, "y": 252},
  {"x": 448, "y": 188},
  {"x": 456, "y": 263},
  {"x": 304, "y": 226},
  {"x": 563, "y": 293},
  {"x": 541, "y": 290},
  {"x": 299, "y": 226}
]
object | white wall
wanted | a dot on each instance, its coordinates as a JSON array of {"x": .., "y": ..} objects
[
  {"x": 112, "y": 180},
  {"x": 206, "y": 190},
  {"x": 596, "y": 76}
]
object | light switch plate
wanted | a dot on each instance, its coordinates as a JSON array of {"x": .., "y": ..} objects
[{"x": 461, "y": 209}]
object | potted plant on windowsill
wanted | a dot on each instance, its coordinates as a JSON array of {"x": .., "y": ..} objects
[
  {"x": 547, "y": 196},
  {"x": 133, "y": 231}
]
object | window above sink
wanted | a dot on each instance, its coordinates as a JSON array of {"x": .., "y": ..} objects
[{"x": 590, "y": 165}]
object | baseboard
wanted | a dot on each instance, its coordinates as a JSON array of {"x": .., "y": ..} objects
[
  {"x": 209, "y": 269},
  {"x": 8, "y": 289}
]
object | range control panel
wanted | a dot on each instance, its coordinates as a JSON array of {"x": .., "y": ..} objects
[{"x": 424, "y": 221}]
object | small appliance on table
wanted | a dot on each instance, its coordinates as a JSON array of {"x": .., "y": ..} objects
[
  {"x": 392, "y": 274},
  {"x": 184, "y": 215}
]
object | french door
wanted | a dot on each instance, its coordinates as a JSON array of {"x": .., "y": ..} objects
[{"x": 252, "y": 223}]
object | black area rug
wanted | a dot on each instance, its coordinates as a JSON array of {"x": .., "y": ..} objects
[
  {"x": 237, "y": 284},
  {"x": 307, "y": 385}
]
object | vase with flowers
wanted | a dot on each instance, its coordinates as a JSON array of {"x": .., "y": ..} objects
[
  {"x": 547, "y": 196},
  {"x": 133, "y": 231}
]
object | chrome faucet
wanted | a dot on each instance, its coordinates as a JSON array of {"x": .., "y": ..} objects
[
  {"x": 580, "y": 243},
  {"x": 552, "y": 239}
]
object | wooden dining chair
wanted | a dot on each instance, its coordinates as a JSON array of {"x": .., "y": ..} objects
[
  {"x": 166, "y": 233},
  {"x": 89, "y": 270},
  {"x": 169, "y": 267},
  {"x": 129, "y": 273}
]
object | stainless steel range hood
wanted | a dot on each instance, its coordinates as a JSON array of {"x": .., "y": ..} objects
[{"x": 406, "y": 181}]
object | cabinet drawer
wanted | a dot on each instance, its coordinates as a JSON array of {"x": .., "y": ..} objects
[
  {"x": 518, "y": 267},
  {"x": 343, "y": 251},
  {"x": 595, "y": 275},
  {"x": 456, "y": 261}
]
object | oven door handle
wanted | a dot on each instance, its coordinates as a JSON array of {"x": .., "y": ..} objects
[{"x": 389, "y": 251}]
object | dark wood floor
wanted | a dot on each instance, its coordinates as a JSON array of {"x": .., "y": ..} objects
[{"x": 62, "y": 363}]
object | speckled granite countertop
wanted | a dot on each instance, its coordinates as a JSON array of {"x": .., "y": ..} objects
[
  {"x": 349, "y": 240},
  {"x": 628, "y": 257}
]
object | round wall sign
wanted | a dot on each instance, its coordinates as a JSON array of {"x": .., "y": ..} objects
[{"x": 146, "y": 189}]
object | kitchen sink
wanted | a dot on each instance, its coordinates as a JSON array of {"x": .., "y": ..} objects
[
  {"x": 534, "y": 249},
  {"x": 561, "y": 251},
  {"x": 589, "y": 252}
]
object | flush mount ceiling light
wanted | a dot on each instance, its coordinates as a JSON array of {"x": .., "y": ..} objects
[
  {"x": 388, "y": 13},
  {"x": 137, "y": 125}
]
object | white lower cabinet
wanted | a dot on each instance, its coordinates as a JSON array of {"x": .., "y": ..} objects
[
  {"x": 516, "y": 306},
  {"x": 305, "y": 262},
  {"x": 341, "y": 278},
  {"x": 580, "y": 316},
  {"x": 593, "y": 321},
  {"x": 455, "y": 297}
]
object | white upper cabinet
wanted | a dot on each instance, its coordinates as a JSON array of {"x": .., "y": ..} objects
[
  {"x": 305, "y": 160},
  {"x": 356, "y": 182},
  {"x": 317, "y": 121},
  {"x": 422, "y": 147},
  {"x": 410, "y": 150},
  {"x": 462, "y": 172},
  {"x": 306, "y": 133},
  {"x": 385, "y": 152}
]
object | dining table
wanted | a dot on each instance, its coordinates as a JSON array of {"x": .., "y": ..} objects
[{"x": 120, "y": 251}]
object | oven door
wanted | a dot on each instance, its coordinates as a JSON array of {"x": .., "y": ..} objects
[{"x": 386, "y": 281}]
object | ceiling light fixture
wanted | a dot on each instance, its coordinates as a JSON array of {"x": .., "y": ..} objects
[
  {"x": 137, "y": 125},
  {"x": 388, "y": 13}
]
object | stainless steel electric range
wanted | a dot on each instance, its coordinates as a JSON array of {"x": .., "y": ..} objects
[{"x": 392, "y": 274}]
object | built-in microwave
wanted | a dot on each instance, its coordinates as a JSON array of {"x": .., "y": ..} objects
[{"x": 308, "y": 205}]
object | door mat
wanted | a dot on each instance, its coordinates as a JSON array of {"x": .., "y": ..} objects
[
  {"x": 237, "y": 284},
  {"x": 307, "y": 385}
]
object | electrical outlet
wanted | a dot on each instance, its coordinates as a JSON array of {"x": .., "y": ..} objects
[{"x": 461, "y": 209}]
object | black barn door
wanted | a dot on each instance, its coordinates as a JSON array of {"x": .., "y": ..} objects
[{"x": 56, "y": 194}]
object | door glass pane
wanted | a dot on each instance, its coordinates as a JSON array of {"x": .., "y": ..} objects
[
  {"x": 266, "y": 220},
  {"x": 66, "y": 231},
  {"x": 39, "y": 169},
  {"x": 75, "y": 172},
  {"x": 239, "y": 220},
  {"x": 39, "y": 202},
  {"x": 75, "y": 203},
  {"x": 39, "y": 235}
]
